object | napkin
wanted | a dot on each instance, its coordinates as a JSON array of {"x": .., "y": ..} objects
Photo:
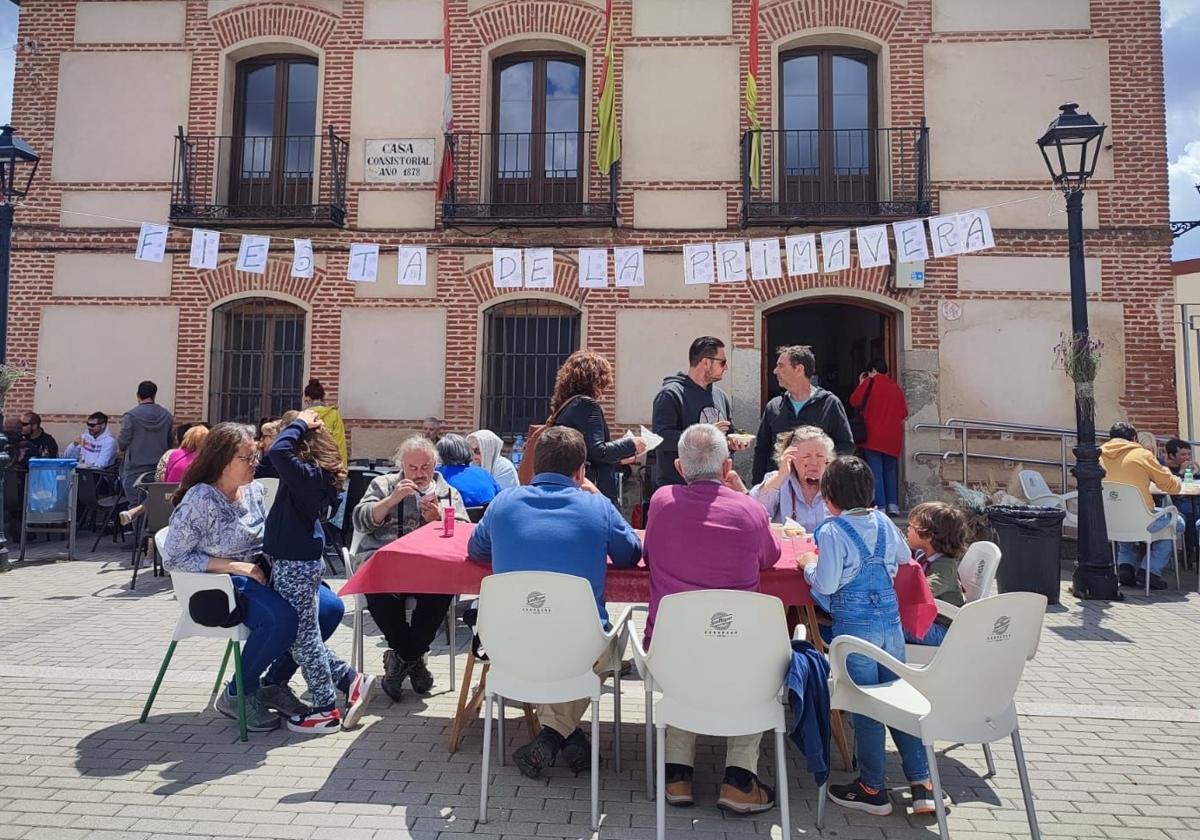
[{"x": 652, "y": 440}]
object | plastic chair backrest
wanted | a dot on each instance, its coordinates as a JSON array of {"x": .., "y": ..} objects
[
  {"x": 158, "y": 504},
  {"x": 720, "y": 652},
  {"x": 973, "y": 677},
  {"x": 270, "y": 488},
  {"x": 1033, "y": 484},
  {"x": 187, "y": 584},
  {"x": 540, "y": 627},
  {"x": 977, "y": 570},
  {"x": 1125, "y": 514}
]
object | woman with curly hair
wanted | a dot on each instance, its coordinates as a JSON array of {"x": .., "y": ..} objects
[{"x": 582, "y": 379}]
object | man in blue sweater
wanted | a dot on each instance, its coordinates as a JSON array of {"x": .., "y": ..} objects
[{"x": 558, "y": 523}]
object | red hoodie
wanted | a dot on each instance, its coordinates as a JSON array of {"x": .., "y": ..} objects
[{"x": 884, "y": 414}]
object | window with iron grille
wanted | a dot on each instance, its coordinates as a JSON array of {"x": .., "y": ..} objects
[
  {"x": 257, "y": 366},
  {"x": 525, "y": 342}
]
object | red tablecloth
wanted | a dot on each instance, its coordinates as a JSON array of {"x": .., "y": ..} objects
[{"x": 426, "y": 561}]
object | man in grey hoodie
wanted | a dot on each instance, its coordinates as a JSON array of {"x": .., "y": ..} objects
[
  {"x": 146, "y": 433},
  {"x": 689, "y": 398}
]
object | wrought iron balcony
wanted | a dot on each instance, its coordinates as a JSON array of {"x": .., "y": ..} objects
[
  {"x": 526, "y": 178},
  {"x": 290, "y": 180},
  {"x": 837, "y": 176}
]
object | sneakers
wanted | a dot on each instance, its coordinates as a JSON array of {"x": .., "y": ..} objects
[
  {"x": 357, "y": 699},
  {"x": 859, "y": 797},
  {"x": 923, "y": 801},
  {"x": 539, "y": 753},
  {"x": 1126, "y": 575},
  {"x": 258, "y": 717},
  {"x": 282, "y": 699},
  {"x": 893, "y": 510},
  {"x": 754, "y": 798},
  {"x": 577, "y": 752},
  {"x": 396, "y": 670},
  {"x": 315, "y": 723},
  {"x": 679, "y": 786}
]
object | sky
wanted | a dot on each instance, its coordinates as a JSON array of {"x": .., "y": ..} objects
[{"x": 1181, "y": 35}]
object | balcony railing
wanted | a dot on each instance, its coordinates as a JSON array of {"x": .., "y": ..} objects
[
  {"x": 837, "y": 176},
  {"x": 291, "y": 180},
  {"x": 523, "y": 178}
]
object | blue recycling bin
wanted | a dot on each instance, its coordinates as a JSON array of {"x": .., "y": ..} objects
[{"x": 48, "y": 490}]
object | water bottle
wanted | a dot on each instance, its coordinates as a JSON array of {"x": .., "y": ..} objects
[
  {"x": 518, "y": 450},
  {"x": 1187, "y": 474}
]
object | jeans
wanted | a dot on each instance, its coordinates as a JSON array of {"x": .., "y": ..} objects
[
  {"x": 1158, "y": 556},
  {"x": 883, "y": 467},
  {"x": 1189, "y": 509},
  {"x": 272, "y": 624},
  {"x": 330, "y": 610},
  {"x": 934, "y": 638},
  {"x": 410, "y": 640},
  {"x": 874, "y": 616}
]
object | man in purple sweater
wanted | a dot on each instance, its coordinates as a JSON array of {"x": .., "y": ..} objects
[{"x": 707, "y": 535}]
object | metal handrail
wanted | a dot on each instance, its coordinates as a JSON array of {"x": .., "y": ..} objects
[{"x": 965, "y": 425}]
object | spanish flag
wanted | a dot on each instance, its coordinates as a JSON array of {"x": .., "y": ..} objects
[
  {"x": 752, "y": 99},
  {"x": 446, "y": 173},
  {"x": 608, "y": 144}
]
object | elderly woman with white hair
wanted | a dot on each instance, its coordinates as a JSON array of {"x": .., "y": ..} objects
[
  {"x": 486, "y": 447},
  {"x": 394, "y": 505},
  {"x": 794, "y": 490}
]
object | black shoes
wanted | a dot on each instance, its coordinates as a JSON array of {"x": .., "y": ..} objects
[
  {"x": 539, "y": 753},
  {"x": 1127, "y": 576},
  {"x": 577, "y": 752},
  {"x": 859, "y": 797},
  {"x": 397, "y": 670},
  {"x": 1156, "y": 582}
]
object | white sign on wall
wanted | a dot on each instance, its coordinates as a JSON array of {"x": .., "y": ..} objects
[{"x": 399, "y": 161}]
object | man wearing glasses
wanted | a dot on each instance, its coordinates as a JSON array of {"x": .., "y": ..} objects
[
  {"x": 689, "y": 398},
  {"x": 96, "y": 448},
  {"x": 35, "y": 442}
]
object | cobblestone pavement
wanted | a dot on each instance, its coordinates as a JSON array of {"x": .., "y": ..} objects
[{"x": 1110, "y": 716}]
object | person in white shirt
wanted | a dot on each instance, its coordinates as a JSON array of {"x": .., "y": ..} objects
[{"x": 96, "y": 448}]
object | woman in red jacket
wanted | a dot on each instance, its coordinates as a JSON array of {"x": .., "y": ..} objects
[{"x": 883, "y": 408}]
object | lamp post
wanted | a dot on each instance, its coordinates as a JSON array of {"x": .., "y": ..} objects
[
  {"x": 1071, "y": 147},
  {"x": 18, "y": 164}
]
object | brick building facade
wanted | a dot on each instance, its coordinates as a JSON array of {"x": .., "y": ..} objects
[{"x": 102, "y": 88}]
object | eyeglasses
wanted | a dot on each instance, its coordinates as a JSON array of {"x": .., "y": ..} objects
[
  {"x": 723, "y": 362},
  {"x": 94, "y": 425},
  {"x": 252, "y": 458}
]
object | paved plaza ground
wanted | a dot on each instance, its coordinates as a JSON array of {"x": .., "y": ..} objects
[{"x": 1110, "y": 714}]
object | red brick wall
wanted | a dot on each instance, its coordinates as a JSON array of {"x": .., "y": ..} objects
[{"x": 1133, "y": 241}]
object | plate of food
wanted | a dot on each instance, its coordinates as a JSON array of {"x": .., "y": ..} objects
[{"x": 741, "y": 438}]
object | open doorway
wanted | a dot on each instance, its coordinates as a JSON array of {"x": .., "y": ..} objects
[{"x": 845, "y": 335}]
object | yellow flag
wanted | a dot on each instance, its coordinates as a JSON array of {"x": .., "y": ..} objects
[
  {"x": 608, "y": 144},
  {"x": 752, "y": 100}
]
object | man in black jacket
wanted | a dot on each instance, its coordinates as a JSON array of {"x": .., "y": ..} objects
[
  {"x": 801, "y": 404},
  {"x": 689, "y": 398}
]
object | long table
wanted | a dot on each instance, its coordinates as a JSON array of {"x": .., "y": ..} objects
[{"x": 427, "y": 561}]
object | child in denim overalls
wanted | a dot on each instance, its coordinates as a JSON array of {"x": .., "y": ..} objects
[{"x": 860, "y": 550}]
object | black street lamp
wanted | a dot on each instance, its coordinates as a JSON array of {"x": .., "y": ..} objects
[
  {"x": 1071, "y": 147},
  {"x": 1178, "y": 229},
  {"x": 18, "y": 164}
]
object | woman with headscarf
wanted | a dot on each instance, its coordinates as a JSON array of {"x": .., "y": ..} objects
[{"x": 486, "y": 446}]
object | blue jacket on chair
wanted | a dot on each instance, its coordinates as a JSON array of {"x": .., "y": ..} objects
[{"x": 808, "y": 694}]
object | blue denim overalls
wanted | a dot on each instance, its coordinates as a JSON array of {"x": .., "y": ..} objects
[{"x": 867, "y": 607}]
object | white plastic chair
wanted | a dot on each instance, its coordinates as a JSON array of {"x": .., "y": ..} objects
[
  {"x": 964, "y": 695},
  {"x": 976, "y": 574},
  {"x": 270, "y": 488},
  {"x": 543, "y": 636},
  {"x": 719, "y": 660},
  {"x": 1126, "y": 517},
  {"x": 360, "y": 605},
  {"x": 187, "y": 584},
  {"x": 1037, "y": 491}
]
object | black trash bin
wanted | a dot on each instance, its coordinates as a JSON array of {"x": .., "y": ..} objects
[{"x": 1030, "y": 540}]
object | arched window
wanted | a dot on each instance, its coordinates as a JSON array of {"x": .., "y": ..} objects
[
  {"x": 257, "y": 361},
  {"x": 525, "y": 342},
  {"x": 275, "y": 132},
  {"x": 828, "y": 107},
  {"x": 537, "y": 125}
]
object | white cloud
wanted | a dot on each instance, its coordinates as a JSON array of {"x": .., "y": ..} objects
[{"x": 1175, "y": 11}]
